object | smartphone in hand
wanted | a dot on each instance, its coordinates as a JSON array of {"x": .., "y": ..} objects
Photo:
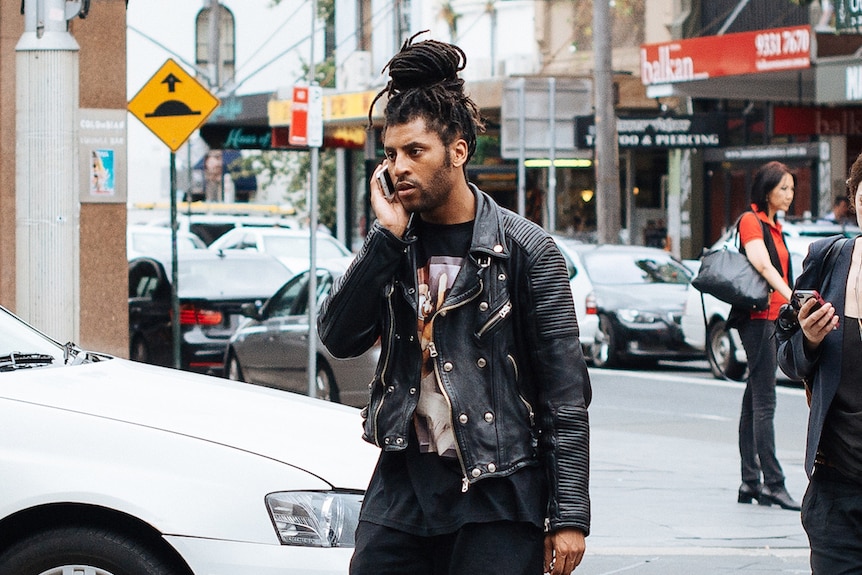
[
  {"x": 386, "y": 184},
  {"x": 801, "y": 296}
]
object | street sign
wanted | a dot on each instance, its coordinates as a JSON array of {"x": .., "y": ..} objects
[
  {"x": 306, "y": 117},
  {"x": 173, "y": 104}
]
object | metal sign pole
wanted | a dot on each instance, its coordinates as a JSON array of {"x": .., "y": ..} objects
[
  {"x": 312, "y": 223},
  {"x": 175, "y": 300}
]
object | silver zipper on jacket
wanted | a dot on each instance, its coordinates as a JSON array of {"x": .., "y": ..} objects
[
  {"x": 432, "y": 352},
  {"x": 383, "y": 371},
  {"x": 526, "y": 403},
  {"x": 496, "y": 318}
]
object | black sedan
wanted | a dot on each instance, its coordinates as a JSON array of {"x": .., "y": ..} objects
[
  {"x": 640, "y": 295},
  {"x": 212, "y": 287},
  {"x": 271, "y": 348}
]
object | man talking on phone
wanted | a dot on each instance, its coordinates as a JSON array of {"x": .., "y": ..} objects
[{"x": 479, "y": 404}]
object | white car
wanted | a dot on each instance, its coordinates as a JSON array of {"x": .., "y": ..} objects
[
  {"x": 582, "y": 292},
  {"x": 291, "y": 247},
  {"x": 209, "y": 227},
  {"x": 707, "y": 330},
  {"x": 145, "y": 240},
  {"x": 109, "y": 466}
]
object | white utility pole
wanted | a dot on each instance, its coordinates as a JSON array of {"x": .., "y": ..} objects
[{"x": 46, "y": 170}]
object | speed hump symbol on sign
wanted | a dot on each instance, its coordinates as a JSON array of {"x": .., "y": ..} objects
[{"x": 173, "y": 104}]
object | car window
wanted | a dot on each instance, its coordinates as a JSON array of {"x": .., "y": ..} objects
[
  {"x": 144, "y": 279},
  {"x": 292, "y": 293},
  {"x": 633, "y": 268},
  {"x": 18, "y": 337},
  {"x": 570, "y": 266},
  {"x": 208, "y": 231}
]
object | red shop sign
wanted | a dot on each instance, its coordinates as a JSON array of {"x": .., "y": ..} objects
[{"x": 728, "y": 55}]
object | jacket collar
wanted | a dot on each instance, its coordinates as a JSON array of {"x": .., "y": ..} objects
[{"x": 488, "y": 232}]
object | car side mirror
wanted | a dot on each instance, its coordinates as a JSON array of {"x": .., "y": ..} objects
[{"x": 250, "y": 310}]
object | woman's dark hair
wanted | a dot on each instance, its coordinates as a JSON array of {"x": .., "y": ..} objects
[
  {"x": 424, "y": 83},
  {"x": 767, "y": 179},
  {"x": 853, "y": 181}
]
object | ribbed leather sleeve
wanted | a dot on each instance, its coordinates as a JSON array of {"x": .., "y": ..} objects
[{"x": 567, "y": 460}]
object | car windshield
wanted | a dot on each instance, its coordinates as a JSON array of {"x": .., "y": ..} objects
[
  {"x": 634, "y": 268},
  {"x": 297, "y": 247},
  {"x": 17, "y": 339}
]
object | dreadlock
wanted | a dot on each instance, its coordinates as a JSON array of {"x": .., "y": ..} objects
[{"x": 424, "y": 83}]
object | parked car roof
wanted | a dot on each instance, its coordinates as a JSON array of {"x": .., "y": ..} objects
[
  {"x": 144, "y": 240},
  {"x": 209, "y": 227},
  {"x": 291, "y": 247}
]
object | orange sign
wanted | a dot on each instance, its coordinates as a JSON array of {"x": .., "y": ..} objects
[{"x": 173, "y": 104}]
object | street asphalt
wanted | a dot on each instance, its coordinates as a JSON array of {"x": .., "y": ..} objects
[{"x": 666, "y": 505}]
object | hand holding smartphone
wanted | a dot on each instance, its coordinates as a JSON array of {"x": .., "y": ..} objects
[
  {"x": 386, "y": 184},
  {"x": 801, "y": 296}
]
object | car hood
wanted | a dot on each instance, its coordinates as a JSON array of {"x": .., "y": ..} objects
[
  {"x": 645, "y": 297},
  {"x": 322, "y": 438}
]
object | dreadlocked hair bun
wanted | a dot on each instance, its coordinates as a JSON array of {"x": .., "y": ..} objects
[
  {"x": 424, "y": 82},
  {"x": 425, "y": 64}
]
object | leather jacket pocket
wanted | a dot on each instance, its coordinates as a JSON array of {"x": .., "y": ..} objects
[{"x": 495, "y": 321}]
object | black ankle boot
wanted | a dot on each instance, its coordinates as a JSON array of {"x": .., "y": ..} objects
[
  {"x": 779, "y": 496},
  {"x": 749, "y": 492}
]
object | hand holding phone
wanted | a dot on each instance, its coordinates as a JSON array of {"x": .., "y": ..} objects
[
  {"x": 801, "y": 296},
  {"x": 386, "y": 184}
]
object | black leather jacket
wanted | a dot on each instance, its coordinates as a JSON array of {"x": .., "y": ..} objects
[{"x": 506, "y": 352}]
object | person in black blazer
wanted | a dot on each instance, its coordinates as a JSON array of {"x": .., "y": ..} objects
[{"x": 825, "y": 353}]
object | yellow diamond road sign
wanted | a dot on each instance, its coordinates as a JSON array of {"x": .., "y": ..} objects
[{"x": 173, "y": 104}]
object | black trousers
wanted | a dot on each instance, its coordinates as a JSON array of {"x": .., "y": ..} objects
[
  {"x": 475, "y": 549},
  {"x": 832, "y": 518},
  {"x": 757, "y": 416}
]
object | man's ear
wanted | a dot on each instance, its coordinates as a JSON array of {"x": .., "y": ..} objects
[{"x": 459, "y": 152}]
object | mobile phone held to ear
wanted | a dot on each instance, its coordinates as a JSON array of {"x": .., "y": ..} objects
[
  {"x": 386, "y": 184},
  {"x": 801, "y": 296}
]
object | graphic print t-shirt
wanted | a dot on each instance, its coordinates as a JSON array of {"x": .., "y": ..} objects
[{"x": 441, "y": 250}]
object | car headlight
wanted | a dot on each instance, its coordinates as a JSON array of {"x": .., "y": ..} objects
[
  {"x": 637, "y": 316},
  {"x": 315, "y": 518}
]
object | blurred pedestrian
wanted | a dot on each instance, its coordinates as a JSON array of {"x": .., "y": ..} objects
[
  {"x": 825, "y": 354},
  {"x": 840, "y": 213},
  {"x": 762, "y": 242},
  {"x": 480, "y": 401}
]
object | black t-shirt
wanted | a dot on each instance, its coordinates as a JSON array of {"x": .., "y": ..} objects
[
  {"x": 419, "y": 490},
  {"x": 841, "y": 439}
]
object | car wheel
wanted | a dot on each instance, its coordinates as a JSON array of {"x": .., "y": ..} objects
[
  {"x": 721, "y": 353},
  {"x": 138, "y": 350},
  {"x": 82, "y": 550},
  {"x": 604, "y": 353},
  {"x": 326, "y": 387},
  {"x": 233, "y": 370}
]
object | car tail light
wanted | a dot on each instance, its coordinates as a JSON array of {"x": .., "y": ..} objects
[
  {"x": 192, "y": 315},
  {"x": 592, "y": 306}
]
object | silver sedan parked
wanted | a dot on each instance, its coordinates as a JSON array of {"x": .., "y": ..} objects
[{"x": 271, "y": 347}]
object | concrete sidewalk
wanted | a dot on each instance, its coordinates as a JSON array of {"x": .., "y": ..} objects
[{"x": 667, "y": 505}]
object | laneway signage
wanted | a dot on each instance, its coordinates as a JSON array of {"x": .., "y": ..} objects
[
  {"x": 173, "y": 104},
  {"x": 728, "y": 55},
  {"x": 848, "y": 15}
]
